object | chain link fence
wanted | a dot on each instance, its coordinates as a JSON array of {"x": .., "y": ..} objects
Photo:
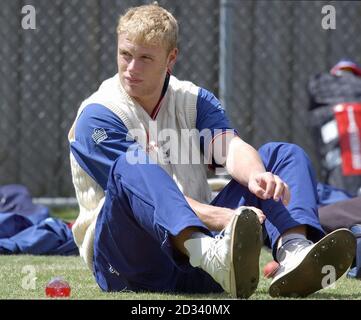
[{"x": 273, "y": 49}]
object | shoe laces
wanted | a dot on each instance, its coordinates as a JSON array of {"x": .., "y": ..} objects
[{"x": 213, "y": 251}]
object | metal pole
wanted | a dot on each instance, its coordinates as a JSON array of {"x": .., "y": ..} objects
[
  {"x": 226, "y": 16},
  {"x": 226, "y": 51}
]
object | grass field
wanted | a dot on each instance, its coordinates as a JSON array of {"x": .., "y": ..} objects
[{"x": 25, "y": 277}]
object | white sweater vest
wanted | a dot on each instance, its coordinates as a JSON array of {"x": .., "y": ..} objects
[{"x": 178, "y": 112}]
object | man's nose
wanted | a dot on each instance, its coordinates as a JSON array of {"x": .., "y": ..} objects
[{"x": 133, "y": 65}]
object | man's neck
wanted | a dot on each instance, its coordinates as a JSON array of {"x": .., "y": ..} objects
[{"x": 150, "y": 104}]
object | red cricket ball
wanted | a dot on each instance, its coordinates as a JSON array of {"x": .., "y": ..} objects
[{"x": 270, "y": 269}]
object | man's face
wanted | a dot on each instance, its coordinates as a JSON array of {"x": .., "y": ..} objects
[{"x": 142, "y": 69}]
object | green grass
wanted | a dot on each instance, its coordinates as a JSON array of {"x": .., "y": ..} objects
[
  {"x": 67, "y": 214},
  {"x": 25, "y": 277}
]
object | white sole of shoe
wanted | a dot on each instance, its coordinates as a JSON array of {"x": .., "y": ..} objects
[
  {"x": 246, "y": 249},
  {"x": 333, "y": 253}
]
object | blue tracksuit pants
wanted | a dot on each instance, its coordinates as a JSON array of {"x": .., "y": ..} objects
[{"x": 144, "y": 207}]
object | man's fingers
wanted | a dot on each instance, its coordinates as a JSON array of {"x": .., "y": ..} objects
[
  {"x": 270, "y": 186},
  {"x": 282, "y": 191},
  {"x": 279, "y": 189},
  {"x": 258, "y": 191},
  {"x": 261, "y": 216},
  {"x": 286, "y": 195}
]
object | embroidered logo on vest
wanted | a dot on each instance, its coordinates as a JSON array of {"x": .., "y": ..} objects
[
  {"x": 99, "y": 135},
  {"x": 112, "y": 270}
]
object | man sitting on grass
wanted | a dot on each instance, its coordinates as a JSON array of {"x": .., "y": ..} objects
[{"x": 146, "y": 221}]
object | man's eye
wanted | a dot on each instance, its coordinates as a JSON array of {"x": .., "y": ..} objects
[
  {"x": 124, "y": 53},
  {"x": 147, "y": 58}
]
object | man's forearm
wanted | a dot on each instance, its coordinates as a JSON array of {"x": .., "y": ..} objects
[
  {"x": 245, "y": 165},
  {"x": 242, "y": 160},
  {"x": 215, "y": 218}
]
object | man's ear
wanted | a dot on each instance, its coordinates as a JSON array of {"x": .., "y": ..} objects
[{"x": 172, "y": 58}]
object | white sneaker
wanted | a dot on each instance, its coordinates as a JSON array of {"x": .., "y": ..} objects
[
  {"x": 233, "y": 258},
  {"x": 302, "y": 270}
]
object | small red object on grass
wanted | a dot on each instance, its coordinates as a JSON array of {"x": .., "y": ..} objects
[
  {"x": 270, "y": 269},
  {"x": 57, "y": 288}
]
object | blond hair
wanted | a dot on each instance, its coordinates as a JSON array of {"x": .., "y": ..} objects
[{"x": 150, "y": 25}]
